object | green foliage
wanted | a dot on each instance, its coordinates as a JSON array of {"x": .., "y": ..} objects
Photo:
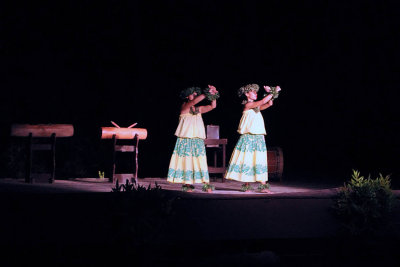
[
  {"x": 246, "y": 187},
  {"x": 187, "y": 187},
  {"x": 247, "y": 88},
  {"x": 133, "y": 187},
  {"x": 101, "y": 175},
  {"x": 364, "y": 205},
  {"x": 138, "y": 213},
  {"x": 274, "y": 92},
  {"x": 263, "y": 186},
  {"x": 129, "y": 187},
  {"x": 209, "y": 95},
  {"x": 206, "y": 186},
  {"x": 117, "y": 187}
]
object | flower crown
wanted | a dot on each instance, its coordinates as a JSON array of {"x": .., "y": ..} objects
[
  {"x": 247, "y": 88},
  {"x": 188, "y": 91},
  {"x": 211, "y": 94}
]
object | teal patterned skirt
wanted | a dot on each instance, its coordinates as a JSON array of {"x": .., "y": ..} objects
[
  {"x": 248, "y": 162},
  {"x": 188, "y": 163}
]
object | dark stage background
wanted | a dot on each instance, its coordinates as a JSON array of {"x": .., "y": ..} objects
[{"x": 89, "y": 62}]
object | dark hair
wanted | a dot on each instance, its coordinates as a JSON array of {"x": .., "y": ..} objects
[
  {"x": 245, "y": 89},
  {"x": 243, "y": 99},
  {"x": 188, "y": 91}
]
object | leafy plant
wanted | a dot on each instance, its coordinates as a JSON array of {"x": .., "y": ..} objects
[
  {"x": 117, "y": 187},
  {"x": 364, "y": 205},
  {"x": 138, "y": 213},
  {"x": 101, "y": 175},
  {"x": 133, "y": 187},
  {"x": 129, "y": 187}
]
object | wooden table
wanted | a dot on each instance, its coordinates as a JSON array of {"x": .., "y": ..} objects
[{"x": 215, "y": 169}]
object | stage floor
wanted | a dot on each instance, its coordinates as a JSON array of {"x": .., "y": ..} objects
[
  {"x": 226, "y": 189},
  {"x": 78, "y": 215}
]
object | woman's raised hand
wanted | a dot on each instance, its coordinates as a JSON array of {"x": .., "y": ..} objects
[
  {"x": 213, "y": 90},
  {"x": 267, "y": 88}
]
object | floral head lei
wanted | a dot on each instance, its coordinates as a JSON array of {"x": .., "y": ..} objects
[
  {"x": 247, "y": 88},
  {"x": 188, "y": 91},
  {"x": 211, "y": 93}
]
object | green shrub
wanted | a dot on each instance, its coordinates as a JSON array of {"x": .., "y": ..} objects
[
  {"x": 364, "y": 205},
  {"x": 139, "y": 212}
]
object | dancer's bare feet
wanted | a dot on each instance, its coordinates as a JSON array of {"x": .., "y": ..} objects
[
  {"x": 208, "y": 188},
  {"x": 246, "y": 187},
  {"x": 187, "y": 188},
  {"x": 264, "y": 187}
]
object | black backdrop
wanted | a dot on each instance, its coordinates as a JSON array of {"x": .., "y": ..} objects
[{"x": 87, "y": 63}]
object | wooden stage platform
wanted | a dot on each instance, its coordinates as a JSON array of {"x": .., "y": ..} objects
[
  {"x": 227, "y": 189},
  {"x": 293, "y": 223}
]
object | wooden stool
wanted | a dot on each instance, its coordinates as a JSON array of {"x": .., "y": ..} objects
[
  {"x": 127, "y": 135},
  {"x": 125, "y": 148}
]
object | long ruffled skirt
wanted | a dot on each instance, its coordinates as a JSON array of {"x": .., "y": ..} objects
[
  {"x": 188, "y": 163},
  {"x": 248, "y": 162}
]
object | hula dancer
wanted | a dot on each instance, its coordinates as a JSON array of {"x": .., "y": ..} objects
[
  {"x": 188, "y": 163},
  {"x": 248, "y": 162}
]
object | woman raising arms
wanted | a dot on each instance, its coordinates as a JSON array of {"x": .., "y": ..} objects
[{"x": 188, "y": 164}]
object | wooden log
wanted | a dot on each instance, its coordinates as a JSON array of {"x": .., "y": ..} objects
[
  {"x": 123, "y": 133},
  {"x": 42, "y": 130}
]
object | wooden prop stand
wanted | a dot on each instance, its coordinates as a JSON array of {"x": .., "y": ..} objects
[
  {"x": 214, "y": 142},
  {"x": 217, "y": 142},
  {"x": 129, "y": 133},
  {"x": 41, "y": 131}
]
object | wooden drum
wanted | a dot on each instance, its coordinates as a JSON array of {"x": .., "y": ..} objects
[
  {"x": 42, "y": 130},
  {"x": 275, "y": 162},
  {"x": 123, "y": 133}
]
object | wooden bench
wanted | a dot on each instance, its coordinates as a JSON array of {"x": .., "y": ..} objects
[{"x": 41, "y": 137}]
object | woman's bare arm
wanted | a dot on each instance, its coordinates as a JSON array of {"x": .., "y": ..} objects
[
  {"x": 204, "y": 109},
  {"x": 267, "y": 105},
  {"x": 260, "y": 103},
  {"x": 186, "y": 106}
]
